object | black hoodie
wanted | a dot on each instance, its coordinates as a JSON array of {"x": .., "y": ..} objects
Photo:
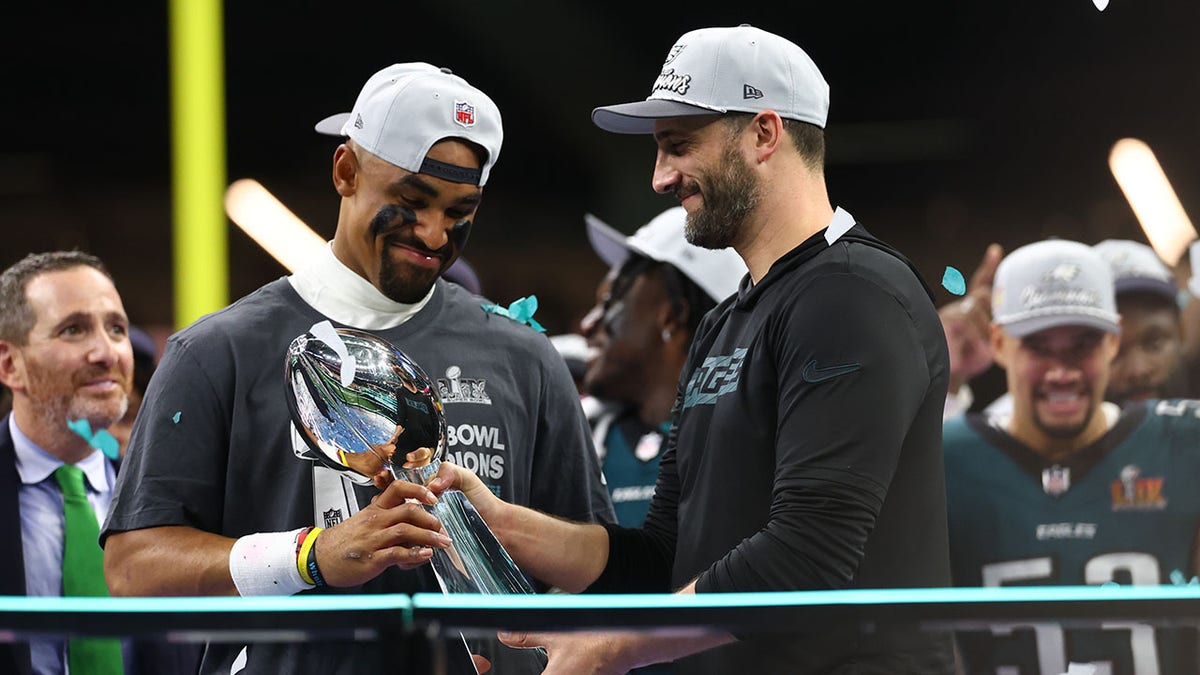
[{"x": 806, "y": 454}]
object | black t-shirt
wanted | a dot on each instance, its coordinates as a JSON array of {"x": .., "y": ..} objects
[
  {"x": 213, "y": 447},
  {"x": 806, "y": 454}
]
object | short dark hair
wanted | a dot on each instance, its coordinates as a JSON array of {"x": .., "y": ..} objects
[
  {"x": 689, "y": 303},
  {"x": 16, "y": 316},
  {"x": 809, "y": 139}
]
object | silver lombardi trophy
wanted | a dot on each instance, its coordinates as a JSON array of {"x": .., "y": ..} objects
[{"x": 363, "y": 406}]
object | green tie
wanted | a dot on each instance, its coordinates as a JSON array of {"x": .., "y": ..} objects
[{"x": 83, "y": 573}]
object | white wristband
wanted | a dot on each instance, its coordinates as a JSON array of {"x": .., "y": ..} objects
[{"x": 265, "y": 564}]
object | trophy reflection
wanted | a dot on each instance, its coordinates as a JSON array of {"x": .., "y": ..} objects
[{"x": 363, "y": 406}]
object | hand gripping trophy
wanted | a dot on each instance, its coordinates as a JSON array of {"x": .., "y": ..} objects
[{"x": 362, "y": 405}]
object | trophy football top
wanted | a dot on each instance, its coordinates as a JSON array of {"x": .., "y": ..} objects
[{"x": 361, "y": 404}]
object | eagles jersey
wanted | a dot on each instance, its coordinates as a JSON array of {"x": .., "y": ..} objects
[
  {"x": 630, "y": 465},
  {"x": 1124, "y": 509}
]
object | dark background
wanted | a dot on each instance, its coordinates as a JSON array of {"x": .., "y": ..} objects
[{"x": 952, "y": 124}]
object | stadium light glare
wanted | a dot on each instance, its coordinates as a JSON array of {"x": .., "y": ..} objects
[
  {"x": 272, "y": 225},
  {"x": 1152, "y": 199}
]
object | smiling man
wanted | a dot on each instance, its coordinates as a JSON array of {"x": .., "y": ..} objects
[
  {"x": 657, "y": 290},
  {"x": 1149, "y": 363},
  {"x": 66, "y": 355},
  {"x": 804, "y": 451},
  {"x": 1069, "y": 489},
  {"x": 219, "y": 488}
]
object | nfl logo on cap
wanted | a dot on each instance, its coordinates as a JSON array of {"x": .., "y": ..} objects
[{"x": 464, "y": 113}]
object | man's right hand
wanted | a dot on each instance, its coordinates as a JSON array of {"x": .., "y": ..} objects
[
  {"x": 558, "y": 552},
  {"x": 394, "y": 530},
  {"x": 966, "y": 323},
  {"x": 450, "y": 476}
]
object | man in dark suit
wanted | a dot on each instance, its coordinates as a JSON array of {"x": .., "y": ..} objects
[{"x": 66, "y": 356}]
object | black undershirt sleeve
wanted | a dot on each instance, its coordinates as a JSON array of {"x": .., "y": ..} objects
[{"x": 640, "y": 559}]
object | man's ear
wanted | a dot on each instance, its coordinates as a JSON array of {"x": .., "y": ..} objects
[
  {"x": 767, "y": 127},
  {"x": 345, "y": 170},
  {"x": 12, "y": 372},
  {"x": 998, "y": 337},
  {"x": 670, "y": 322}
]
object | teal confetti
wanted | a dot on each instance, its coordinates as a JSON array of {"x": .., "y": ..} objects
[
  {"x": 101, "y": 440},
  {"x": 520, "y": 311},
  {"x": 1178, "y": 579},
  {"x": 81, "y": 428},
  {"x": 106, "y": 443},
  {"x": 175, "y": 417},
  {"x": 953, "y": 281}
]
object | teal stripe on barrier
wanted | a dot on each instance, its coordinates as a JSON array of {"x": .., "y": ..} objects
[
  {"x": 187, "y": 605},
  {"x": 471, "y": 601},
  {"x": 922, "y": 596},
  {"x": 400, "y": 602}
]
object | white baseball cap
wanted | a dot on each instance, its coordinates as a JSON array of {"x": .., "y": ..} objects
[
  {"x": 720, "y": 70},
  {"x": 1136, "y": 267},
  {"x": 716, "y": 271},
  {"x": 407, "y": 107},
  {"x": 1052, "y": 283}
]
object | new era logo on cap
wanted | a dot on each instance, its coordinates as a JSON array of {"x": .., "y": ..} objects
[{"x": 751, "y": 92}]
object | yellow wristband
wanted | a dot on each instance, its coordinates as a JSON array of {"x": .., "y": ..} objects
[{"x": 302, "y": 555}]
